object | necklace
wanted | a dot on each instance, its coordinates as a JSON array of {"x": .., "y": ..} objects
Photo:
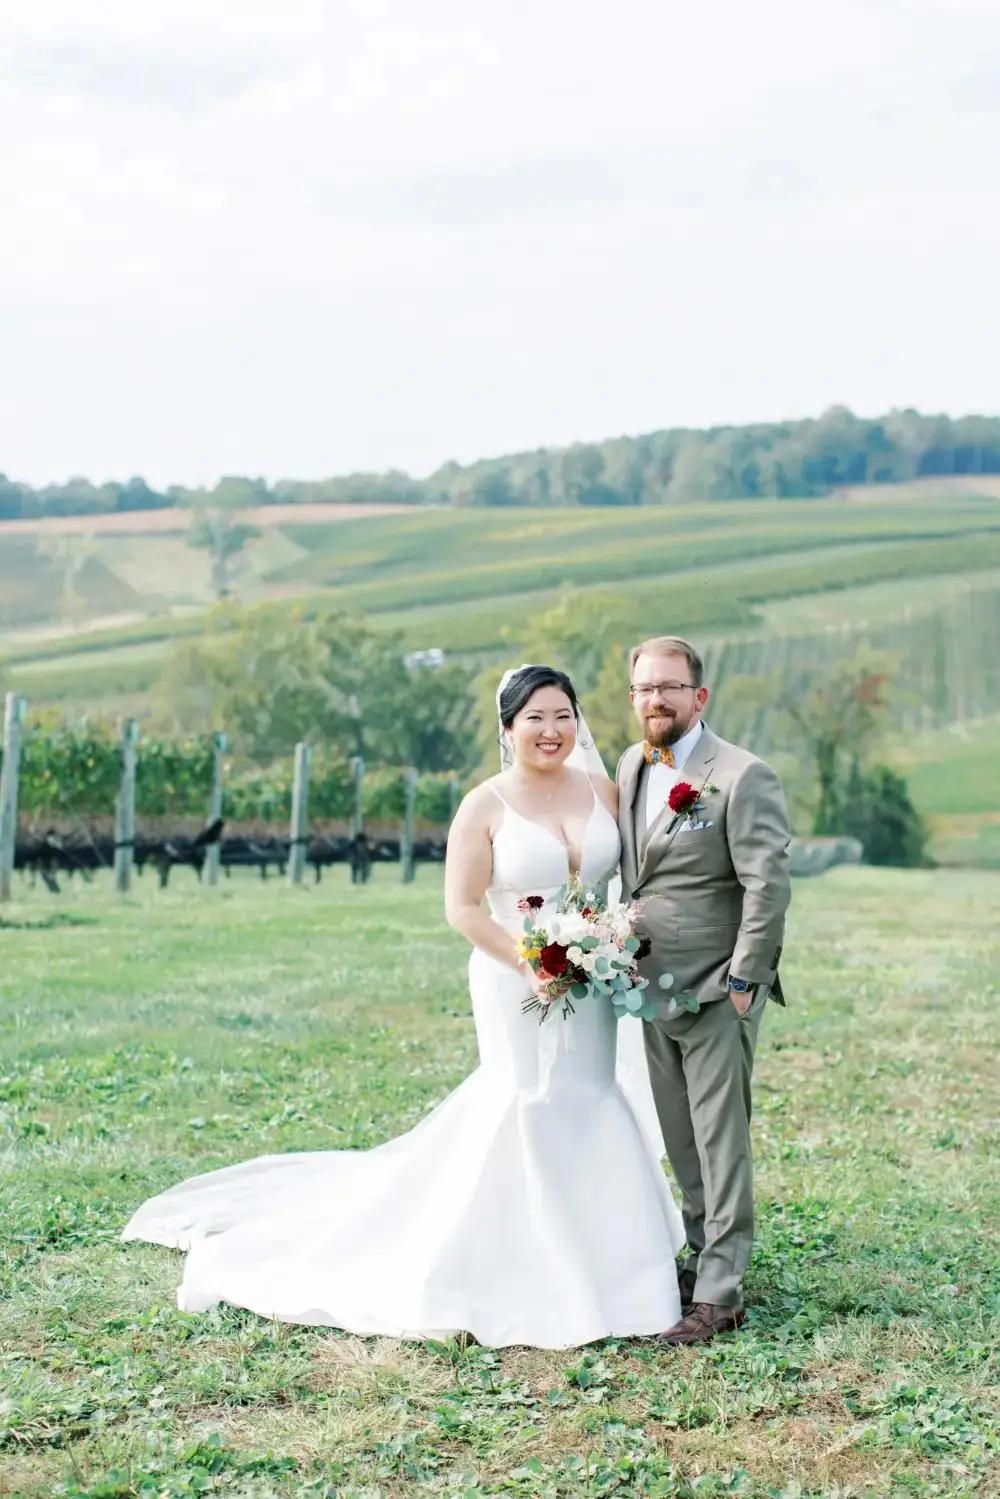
[{"x": 534, "y": 787}]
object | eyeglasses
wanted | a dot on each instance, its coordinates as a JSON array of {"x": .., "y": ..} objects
[{"x": 665, "y": 689}]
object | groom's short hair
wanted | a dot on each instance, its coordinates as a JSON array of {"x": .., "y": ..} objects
[{"x": 669, "y": 645}]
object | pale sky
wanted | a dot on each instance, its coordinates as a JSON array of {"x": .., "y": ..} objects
[{"x": 297, "y": 239}]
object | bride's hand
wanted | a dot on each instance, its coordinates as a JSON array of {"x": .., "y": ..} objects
[
  {"x": 546, "y": 989},
  {"x": 539, "y": 981}
]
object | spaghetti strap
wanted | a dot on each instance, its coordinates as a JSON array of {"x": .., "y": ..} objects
[{"x": 501, "y": 799}]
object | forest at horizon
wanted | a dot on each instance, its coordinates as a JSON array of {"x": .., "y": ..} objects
[{"x": 777, "y": 460}]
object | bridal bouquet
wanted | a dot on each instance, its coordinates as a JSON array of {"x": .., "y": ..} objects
[{"x": 586, "y": 947}]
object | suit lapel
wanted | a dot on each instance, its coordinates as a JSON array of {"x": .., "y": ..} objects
[
  {"x": 628, "y": 788},
  {"x": 696, "y": 771}
]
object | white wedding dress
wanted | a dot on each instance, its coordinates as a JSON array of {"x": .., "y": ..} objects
[{"x": 529, "y": 1207}]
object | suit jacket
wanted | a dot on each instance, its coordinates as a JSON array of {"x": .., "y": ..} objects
[{"x": 712, "y": 890}]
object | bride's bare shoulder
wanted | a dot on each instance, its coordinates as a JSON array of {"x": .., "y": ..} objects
[{"x": 478, "y": 806}]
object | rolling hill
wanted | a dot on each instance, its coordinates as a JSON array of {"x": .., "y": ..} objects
[
  {"x": 91, "y": 623},
  {"x": 87, "y": 616}
]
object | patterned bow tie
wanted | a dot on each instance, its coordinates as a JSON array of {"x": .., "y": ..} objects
[{"x": 653, "y": 755}]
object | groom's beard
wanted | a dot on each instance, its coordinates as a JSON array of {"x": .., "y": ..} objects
[{"x": 664, "y": 729}]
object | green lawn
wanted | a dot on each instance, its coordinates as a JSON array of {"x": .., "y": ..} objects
[{"x": 181, "y": 1030}]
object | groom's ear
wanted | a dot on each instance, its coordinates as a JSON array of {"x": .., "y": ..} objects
[{"x": 701, "y": 697}]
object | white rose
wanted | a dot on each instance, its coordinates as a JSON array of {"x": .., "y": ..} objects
[
  {"x": 575, "y": 955},
  {"x": 572, "y": 928}
]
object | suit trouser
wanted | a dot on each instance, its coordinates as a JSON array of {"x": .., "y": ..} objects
[{"x": 700, "y": 1067}]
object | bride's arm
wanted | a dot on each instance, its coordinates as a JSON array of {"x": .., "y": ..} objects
[{"x": 467, "y": 871}]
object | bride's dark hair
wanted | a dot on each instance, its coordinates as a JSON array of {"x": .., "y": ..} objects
[{"x": 523, "y": 684}]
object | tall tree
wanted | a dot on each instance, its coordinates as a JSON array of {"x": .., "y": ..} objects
[
  {"x": 217, "y": 529},
  {"x": 830, "y": 719}
]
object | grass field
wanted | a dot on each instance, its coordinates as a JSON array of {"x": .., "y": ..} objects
[{"x": 149, "y": 1039}]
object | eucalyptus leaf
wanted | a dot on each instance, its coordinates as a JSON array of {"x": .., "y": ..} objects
[{"x": 665, "y": 980}]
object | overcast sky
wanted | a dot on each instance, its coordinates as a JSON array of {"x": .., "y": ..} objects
[{"x": 243, "y": 236}]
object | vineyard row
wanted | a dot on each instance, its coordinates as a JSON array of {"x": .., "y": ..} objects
[{"x": 76, "y": 772}]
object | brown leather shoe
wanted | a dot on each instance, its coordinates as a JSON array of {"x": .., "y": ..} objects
[
  {"x": 702, "y": 1323},
  {"x": 686, "y": 1282}
]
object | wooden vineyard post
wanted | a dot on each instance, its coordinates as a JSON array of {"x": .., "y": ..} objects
[
  {"x": 13, "y": 721},
  {"x": 357, "y": 815},
  {"x": 300, "y": 807},
  {"x": 406, "y": 839},
  {"x": 213, "y": 853},
  {"x": 125, "y": 809}
]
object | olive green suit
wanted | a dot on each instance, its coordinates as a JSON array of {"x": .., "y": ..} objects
[{"x": 712, "y": 890}]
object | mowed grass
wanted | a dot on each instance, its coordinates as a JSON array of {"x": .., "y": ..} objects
[{"x": 149, "y": 1039}]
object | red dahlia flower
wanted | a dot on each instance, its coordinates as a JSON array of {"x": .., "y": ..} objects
[
  {"x": 683, "y": 797},
  {"x": 553, "y": 960},
  {"x": 531, "y": 903}
]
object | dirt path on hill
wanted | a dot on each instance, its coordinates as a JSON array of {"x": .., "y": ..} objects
[{"x": 175, "y": 519}]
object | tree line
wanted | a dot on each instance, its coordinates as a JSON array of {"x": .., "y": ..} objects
[{"x": 782, "y": 460}]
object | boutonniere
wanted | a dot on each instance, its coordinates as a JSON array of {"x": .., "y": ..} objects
[{"x": 684, "y": 800}]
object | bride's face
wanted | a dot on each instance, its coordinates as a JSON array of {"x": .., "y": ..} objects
[{"x": 544, "y": 731}]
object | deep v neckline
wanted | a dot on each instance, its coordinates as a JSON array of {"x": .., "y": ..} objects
[{"x": 555, "y": 836}]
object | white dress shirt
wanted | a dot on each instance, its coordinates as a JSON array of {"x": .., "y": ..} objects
[{"x": 660, "y": 779}]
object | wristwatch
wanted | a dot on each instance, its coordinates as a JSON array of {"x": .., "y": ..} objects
[{"x": 741, "y": 986}]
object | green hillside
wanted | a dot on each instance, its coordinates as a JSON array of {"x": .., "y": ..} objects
[
  {"x": 471, "y": 581},
  {"x": 954, "y": 778}
]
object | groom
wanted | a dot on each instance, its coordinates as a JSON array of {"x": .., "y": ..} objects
[{"x": 705, "y": 854}]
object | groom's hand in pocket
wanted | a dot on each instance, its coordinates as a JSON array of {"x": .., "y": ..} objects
[{"x": 742, "y": 1000}]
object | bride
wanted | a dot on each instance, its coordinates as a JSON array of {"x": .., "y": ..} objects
[{"x": 529, "y": 1207}]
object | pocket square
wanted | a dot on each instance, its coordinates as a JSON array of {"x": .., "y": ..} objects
[{"x": 696, "y": 827}]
